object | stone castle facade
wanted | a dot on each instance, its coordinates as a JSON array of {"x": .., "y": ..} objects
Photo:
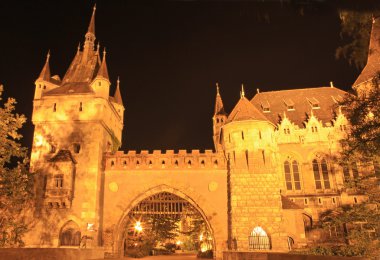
[{"x": 270, "y": 175}]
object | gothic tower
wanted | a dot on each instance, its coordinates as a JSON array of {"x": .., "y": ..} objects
[
  {"x": 76, "y": 121},
  {"x": 218, "y": 120},
  {"x": 254, "y": 184}
]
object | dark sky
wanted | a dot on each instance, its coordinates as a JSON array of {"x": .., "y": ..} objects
[{"x": 169, "y": 54}]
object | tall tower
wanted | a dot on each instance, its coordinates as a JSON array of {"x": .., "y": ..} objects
[
  {"x": 76, "y": 121},
  {"x": 254, "y": 184},
  {"x": 218, "y": 120}
]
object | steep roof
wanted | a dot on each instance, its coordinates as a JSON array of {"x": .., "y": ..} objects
[
  {"x": 297, "y": 104},
  {"x": 63, "y": 156},
  {"x": 373, "y": 62},
  {"x": 219, "y": 107},
  {"x": 45, "y": 72},
  {"x": 244, "y": 110},
  {"x": 103, "y": 71},
  {"x": 117, "y": 96},
  {"x": 91, "y": 26}
]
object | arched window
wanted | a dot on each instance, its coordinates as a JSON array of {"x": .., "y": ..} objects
[
  {"x": 259, "y": 240},
  {"x": 321, "y": 174},
  {"x": 292, "y": 175},
  {"x": 70, "y": 234}
]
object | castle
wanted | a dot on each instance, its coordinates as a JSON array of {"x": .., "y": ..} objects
[{"x": 261, "y": 188}]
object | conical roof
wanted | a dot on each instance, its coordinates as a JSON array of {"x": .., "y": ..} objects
[
  {"x": 244, "y": 110},
  {"x": 117, "y": 95},
  {"x": 373, "y": 62},
  {"x": 103, "y": 71},
  {"x": 219, "y": 108},
  {"x": 45, "y": 72},
  {"x": 91, "y": 26}
]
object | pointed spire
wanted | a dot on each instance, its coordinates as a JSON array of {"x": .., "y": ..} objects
[
  {"x": 373, "y": 62},
  {"x": 78, "y": 49},
  {"x": 117, "y": 95},
  {"x": 242, "y": 93},
  {"x": 219, "y": 108},
  {"x": 103, "y": 71},
  {"x": 91, "y": 26},
  {"x": 45, "y": 72}
]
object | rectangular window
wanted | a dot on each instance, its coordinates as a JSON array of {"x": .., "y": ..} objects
[
  {"x": 288, "y": 176},
  {"x": 346, "y": 172},
  {"x": 317, "y": 175},
  {"x": 354, "y": 168},
  {"x": 296, "y": 176},
  {"x": 58, "y": 181},
  {"x": 325, "y": 174}
]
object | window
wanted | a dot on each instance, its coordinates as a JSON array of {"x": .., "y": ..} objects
[
  {"x": 342, "y": 128},
  {"x": 76, "y": 147},
  {"x": 353, "y": 168},
  {"x": 265, "y": 106},
  {"x": 321, "y": 174},
  {"x": 286, "y": 130},
  {"x": 242, "y": 135},
  {"x": 289, "y": 104},
  {"x": 314, "y": 103},
  {"x": 80, "y": 107},
  {"x": 314, "y": 129},
  {"x": 259, "y": 239},
  {"x": 54, "y": 107},
  {"x": 292, "y": 175},
  {"x": 58, "y": 181}
]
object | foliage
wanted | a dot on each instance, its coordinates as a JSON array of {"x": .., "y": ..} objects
[
  {"x": 163, "y": 227},
  {"x": 357, "y": 26},
  {"x": 358, "y": 225},
  {"x": 363, "y": 140},
  {"x": 15, "y": 179},
  {"x": 206, "y": 254}
]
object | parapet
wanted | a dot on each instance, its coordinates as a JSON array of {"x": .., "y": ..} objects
[{"x": 169, "y": 159}]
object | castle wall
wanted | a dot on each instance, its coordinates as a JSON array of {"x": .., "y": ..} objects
[{"x": 202, "y": 183}]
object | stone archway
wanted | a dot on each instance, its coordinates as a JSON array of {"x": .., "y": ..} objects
[{"x": 124, "y": 221}]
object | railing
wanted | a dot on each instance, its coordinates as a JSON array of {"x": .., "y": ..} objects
[
  {"x": 57, "y": 192},
  {"x": 259, "y": 242}
]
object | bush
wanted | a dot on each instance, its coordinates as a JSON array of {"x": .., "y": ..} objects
[{"x": 205, "y": 254}]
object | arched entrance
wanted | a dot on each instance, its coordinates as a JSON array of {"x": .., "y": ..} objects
[
  {"x": 163, "y": 220},
  {"x": 70, "y": 234}
]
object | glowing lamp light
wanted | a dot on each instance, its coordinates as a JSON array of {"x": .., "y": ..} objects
[
  {"x": 138, "y": 226},
  {"x": 201, "y": 237},
  {"x": 204, "y": 248},
  {"x": 178, "y": 242},
  {"x": 90, "y": 226},
  {"x": 39, "y": 140}
]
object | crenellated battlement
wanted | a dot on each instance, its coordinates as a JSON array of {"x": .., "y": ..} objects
[{"x": 169, "y": 159}]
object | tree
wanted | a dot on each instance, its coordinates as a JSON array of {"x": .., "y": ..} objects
[
  {"x": 15, "y": 180},
  {"x": 358, "y": 224}
]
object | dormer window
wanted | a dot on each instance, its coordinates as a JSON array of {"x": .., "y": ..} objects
[
  {"x": 314, "y": 103},
  {"x": 99, "y": 83},
  {"x": 289, "y": 104},
  {"x": 287, "y": 131},
  {"x": 76, "y": 147},
  {"x": 265, "y": 106}
]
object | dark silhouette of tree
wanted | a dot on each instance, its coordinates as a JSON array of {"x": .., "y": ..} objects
[{"x": 15, "y": 180}]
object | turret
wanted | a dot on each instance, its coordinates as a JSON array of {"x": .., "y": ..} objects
[
  {"x": 219, "y": 119},
  {"x": 101, "y": 83},
  {"x": 45, "y": 82}
]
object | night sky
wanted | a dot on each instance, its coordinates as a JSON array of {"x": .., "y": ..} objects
[{"x": 170, "y": 54}]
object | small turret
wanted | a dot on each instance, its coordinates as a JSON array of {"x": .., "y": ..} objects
[
  {"x": 219, "y": 118},
  {"x": 101, "y": 83},
  {"x": 44, "y": 81}
]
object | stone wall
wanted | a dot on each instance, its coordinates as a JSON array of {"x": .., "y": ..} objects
[{"x": 233, "y": 255}]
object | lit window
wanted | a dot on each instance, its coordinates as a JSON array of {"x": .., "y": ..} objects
[
  {"x": 265, "y": 106},
  {"x": 289, "y": 104}
]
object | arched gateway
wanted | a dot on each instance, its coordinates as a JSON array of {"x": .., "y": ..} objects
[
  {"x": 173, "y": 204},
  {"x": 201, "y": 186}
]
